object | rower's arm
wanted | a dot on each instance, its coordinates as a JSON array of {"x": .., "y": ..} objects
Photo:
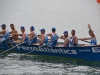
[
  {"x": 62, "y": 37},
  {"x": 42, "y": 39},
  {"x": 19, "y": 34},
  {"x": 2, "y": 32},
  {"x": 91, "y": 30},
  {"x": 50, "y": 34},
  {"x": 66, "y": 42},
  {"x": 75, "y": 40},
  {"x": 31, "y": 36},
  {"x": 39, "y": 36},
  {"x": 23, "y": 37},
  {"x": 16, "y": 31},
  {"x": 11, "y": 32},
  {"x": 84, "y": 38}
]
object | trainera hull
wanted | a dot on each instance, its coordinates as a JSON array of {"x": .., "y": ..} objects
[{"x": 89, "y": 53}]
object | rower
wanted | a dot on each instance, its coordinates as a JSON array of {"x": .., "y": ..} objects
[
  {"x": 53, "y": 36},
  {"x": 33, "y": 36},
  {"x": 66, "y": 38},
  {"x": 4, "y": 32},
  {"x": 93, "y": 40},
  {"x": 23, "y": 35},
  {"x": 43, "y": 37},
  {"x": 73, "y": 39},
  {"x": 14, "y": 37}
]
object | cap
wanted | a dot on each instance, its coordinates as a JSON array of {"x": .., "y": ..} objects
[
  {"x": 22, "y": 27},
  {"x": 3, "y": 25},
  {"x": 32, "y": 27},
  {"x": 65, "y": 32},
  {"x": 42, "y": 29},
  {"x": 53, "y": 28}
]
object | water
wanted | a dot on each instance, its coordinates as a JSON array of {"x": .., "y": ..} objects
[
  {"x": 14, "y": 64},
  {"x": 62, "y": 14}
]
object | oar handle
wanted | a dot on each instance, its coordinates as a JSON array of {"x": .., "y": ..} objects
[{"x": 85, "y": 41}]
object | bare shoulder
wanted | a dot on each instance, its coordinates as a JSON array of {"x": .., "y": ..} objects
[
  {"x": 55, "y": 33},
  {"x": 32, "y": 33},
  {"x": 75, "y": 37},
  {"x": 16, "y": 31},
  {"x": 3, "y": 31},
  {"x": 42, "y": 36},
  {"x": 24, "y": 34},
  {"x": 67, "y": 39}
]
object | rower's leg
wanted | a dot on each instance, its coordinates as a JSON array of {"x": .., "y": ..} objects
[
  {"x": 86, "y": 45},
  {"x": 36, "y": 44},
  {"x": 59, "y": 45},
  {"x": 17, "y": 41},
  {"x": 15, "y": 37},
  {"x": 98, "y": 45}
]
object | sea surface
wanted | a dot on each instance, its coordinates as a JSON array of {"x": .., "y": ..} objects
[{"x": 62, "y": 14}]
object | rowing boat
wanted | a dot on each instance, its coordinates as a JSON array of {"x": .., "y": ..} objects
[{"x": 89, "y": 52}]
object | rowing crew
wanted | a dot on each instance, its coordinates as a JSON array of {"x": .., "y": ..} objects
[{"x": 32, "y": 37}]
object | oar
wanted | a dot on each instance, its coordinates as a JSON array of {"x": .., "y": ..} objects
[
  {"x": 28, "y": 53},
  {"x": 86, "y": 41},
  {"x": 13, "y": 47},
  {"x": 5, "y": 39}
]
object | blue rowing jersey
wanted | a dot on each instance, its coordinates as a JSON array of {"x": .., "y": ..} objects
[
  {"x": 71, "y": 42},
  {"x": 5, "y": 36},
  {"x": 26, "y": 37},
  {"x": 68, "y": 42},
  {"x": 93, "y": 41},
  {"x": 46, "y": 39},
  {"x": 34, "y": 40},
  {"x": 54, "y": 39}
]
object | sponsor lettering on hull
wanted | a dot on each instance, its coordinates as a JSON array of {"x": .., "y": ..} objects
[
  {"x": 47, "y": 49},
  {"x": 96, "y": 49}
]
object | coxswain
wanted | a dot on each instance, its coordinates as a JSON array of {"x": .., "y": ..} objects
[{"x": 92, "y": 38}]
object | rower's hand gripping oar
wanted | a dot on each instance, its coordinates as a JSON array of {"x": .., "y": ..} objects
[{"x": 13, "y": 47}]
